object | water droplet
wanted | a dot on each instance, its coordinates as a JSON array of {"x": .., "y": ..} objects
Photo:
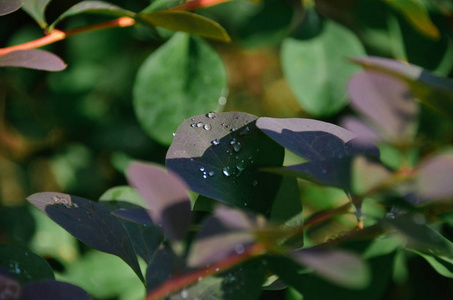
[
  {"x": 205, "y": 176},
  {"x": 226, "y": 171},
  {"x": 202, "y": 169},
  {"x": 193, "y": 125},
  {"x": 227, "y": 126},
  {"x": 241, "y": 165},
  {"x": 200, "y": 278},
  {"x": 200, "y": 124},
  {"x": 237, "y": 147},
  {"x": 211, "y": 115},
  {"x": 419, "y": 219},
  {"x": 233, "y": 129},
  {"x": 244, "y": 131},
  {"x": 217, "y": 269},
  {"x": 184, "y": 294},
  {"x": 233, "y": 141},
  {"x": 207, "y": 126},
  {"x": 245, "y": 204},
  {"x": 323, "y": 171},
  {"x": 239, "y": 248},
  {"x": 215, "y": 142},
  {"x": 222, "y": 100},
  {"x": 255, "y": 182},
  {"x": 390, "y": 215},
  {"x": 75, "y": 205},
  {"x": 211, "y": 173},
  {"x": 193, "y": 119},
  {"x": 174, "y": 133}
]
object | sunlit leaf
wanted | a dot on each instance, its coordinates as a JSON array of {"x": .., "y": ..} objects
[
  {"x": 169, "y": 84},
  {"x": 167, "y": 196},
  {"x": 317, "y": 70},
  {"x": 186, "y": 22},
  {"x": 36, "y": 9},
  {"x": 49, "y": 289},
  {"x": 9, "y": 6},
  {"x": 219, "y": 156},
  {"x": 124, "y": 193},
  {"x": 25, "y": 266},
  {"x": 32, "y": 59},
  {"x": 90, "y": 222}
]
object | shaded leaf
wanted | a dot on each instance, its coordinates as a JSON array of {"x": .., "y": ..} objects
[
  {"x": 167, "y": 196},
  {"x": 36, "y": 9},
  {"x": 387, "y": 102},
  {"x": 90, "y": 222},
  {"x": 199, "y": 3},
  {"x": 25, "y": 266},
  {"x": 98, "y": 7},
  {"x": 136, "y": 215},
  {"x": 186, "y": 22},
  {"x": 341, "y": 267},
  {"x": 433, "y": 91},
  {"x": 287, "y": 202},
  {"x": 243, "y": 281},
  {"x": 317, "y": 70},
  {"x": 168, "y": 84},
  {"x": 368, "y": 174},
  {"x": 9, "y": 6},
  {"x": 32, "y": 59},
  {"x": 9, "y": 287},
  {"x": 442, "y": 266},
  {"x": 44, "y": 290},
  {"x": 417, "y": 14},
  {"x": 163, "y": 267},
  {"x": 219, "y": 156},
  {"x": 209, "y": 288},
  {"x": 360, "y": 128}
]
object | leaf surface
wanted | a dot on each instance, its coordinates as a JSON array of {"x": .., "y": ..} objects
[
  {"x": 33, "y": 59},
  {"x": 36, "y": 9},
  {"x": 49, "y": 289},
  {"x": 9, "y": 6}
]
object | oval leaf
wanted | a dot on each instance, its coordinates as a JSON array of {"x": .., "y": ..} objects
[
  {"x": 186, "y": 22},
  {"x": 90, "y": 222},
  {"x": 36, "y": 9},
  {"x": 219, "y": 156},
  {"x": 167, "y": 196},
  {"x": 44, "y": 290},
  {"x": 182, "y": 78},
  {"x": 9, "y": 6},
  {"x": 33, "y": 59},
  {"x": 317, "y": 70}
]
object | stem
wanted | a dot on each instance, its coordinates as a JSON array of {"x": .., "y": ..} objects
[{"x": 58, "y": 35}]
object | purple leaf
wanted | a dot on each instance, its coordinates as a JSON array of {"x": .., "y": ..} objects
[
  {"x": 9, "y": 287},
  {"x": 360, "y": 128},
  {"x": 45, "y": 290},
  {"x": 136, "y": 215},
  {"x": 167, "y": 196},
  {"x": 9, "y": 6},
  {"x": 90, "y": 222},
  {"x": 164, "y": 265},
  {"x": 387, "y": 102},
  {"x": 341, "y": 267},
  {"x": 32, "y": 59},
  {"x": 219, "y": 156}
]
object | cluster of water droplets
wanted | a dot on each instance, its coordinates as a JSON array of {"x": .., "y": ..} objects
[{"x": 66, "y": 202}]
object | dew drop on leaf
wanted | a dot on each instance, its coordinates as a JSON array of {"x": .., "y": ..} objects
[
  {"x": 202, "y": 169},
  {"x": 226, "y": 171},
  {"x": 215, "y": 142},
  {"x": 184, "y": 294},
  {"x": 193, "y": 125},
  {"x": 211, "y": 115},
  {"x": 200, "y": 124},
  {"x": 255, "y": 182},
  {"x": 211, "y": 173},
  {"x": 233, "y": 141},
  {"x": 241, "y": 165},
  {"x": 207, "y": 127},
  {"x": 237, "y": 147}
]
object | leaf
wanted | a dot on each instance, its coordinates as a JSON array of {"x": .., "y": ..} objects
[
  {"x": 287, "y": 203},
  {"x": 360, "y": 128},
  {"x": 9, "y": 287},
  {"x": 24, "y": 265},
  {"x": 124, "y": 193},
  {"x": 182, "y": 78},
  {"x": 167, "y": 196},
  {"x": 32, "y": 59},
  {"x": 433, "y": 91},
  {"x": 220, "y": 156},
  {"x": 98, "y": 7},
  {"x": 367, "y": 175},
  {"x": 387, "y": 102},
  {"x": 417, "y": 14},
  {"x": 50, "y": 289},
  {"x": 442, "y": 266},
  {"x": 186, "y": 22},
  {"x": 90, "y": 222},
  {"x": 9, "y": 6},
  {"x": 341, "y": 267},
  {"x": 36, "y": 9},
  {"x": 163, "y": 267},
  {"x": 194, "y": 4},
  {"x": 317, "y": 70},
  {"x": 135, "y": 215}
]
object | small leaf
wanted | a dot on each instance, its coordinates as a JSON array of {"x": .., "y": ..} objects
[
  {"x": 387, "y": 102},
  {"x": 186, "y": 22},
  {"x": 36, "y": 9},
  {"x": 168, "y": 84},
  {"x": 167, "y": 196},
  {"x": 442, "y": 266},
  {"x": 317, "y": 70},
  {"x": 98, "y": 7},
  {"x": 341, "y": 267},
  {"x": 90, "y": 222},
  {"x": 32, "y": 59},
  {"x": 220, "y": 156},
  {"x": 24, "y": 265},
  {"x": 9, "y": 6},
  {"x": 49, "y": 289},
  {"x": 417, "y": 14}
]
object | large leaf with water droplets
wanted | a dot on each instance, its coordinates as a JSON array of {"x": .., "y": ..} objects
[
  {"x": 167, "y": 196},
  {"x": 90, "y": 222},
  {"x": 317, "y": 70},
  {"x": 220, "y": 156},
  {"x": 32, "y": 59},
  {"x": 184, "y": 77},
  {"x": 435, "y": 92},
  {"x": 36, "y": 9},
  {"x": 50, "y": 289},
  {"x": 24, "y": 265},
  {"x": 9, "y": 6}
]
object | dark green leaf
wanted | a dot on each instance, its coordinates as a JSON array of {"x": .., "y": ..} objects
[
  {"x": 90, "y": 222},
  {"x": 182, "y": 78},
  {"x": 36, "y": 9},
  {"x": 32, "y": 59},
  {"x": 164, "y": 266},
  {"x": 442, "y": 265},
  {"x": 44, "y": 290},
  {"x": 317, "y": 70},
  {"x": 219, "y": 156},
  {"x": 287, "y": 203},
  {"x": 23, "y": 265},
  {"x": 9, "y": 6}
]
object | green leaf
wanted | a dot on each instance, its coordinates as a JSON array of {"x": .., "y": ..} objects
[
  {"x": 36, "y": 9},
  {"x": 98, "y": 7},
  {"x": 123, "y": 193},
  {"x": 25, "y": 266},
  {"x": 417, "y": 14},
  {"x": 317, "y": 70},
  {"x": 184, "y": 77},
  {"x": 186, "y": 22},
  {"x": 442, "y": 265},
  {"x": 9, "y": 6},
  {"x": 287, "y": 203}
]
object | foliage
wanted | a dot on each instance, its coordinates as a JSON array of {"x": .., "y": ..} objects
[{"x": 257, "y": 199}]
